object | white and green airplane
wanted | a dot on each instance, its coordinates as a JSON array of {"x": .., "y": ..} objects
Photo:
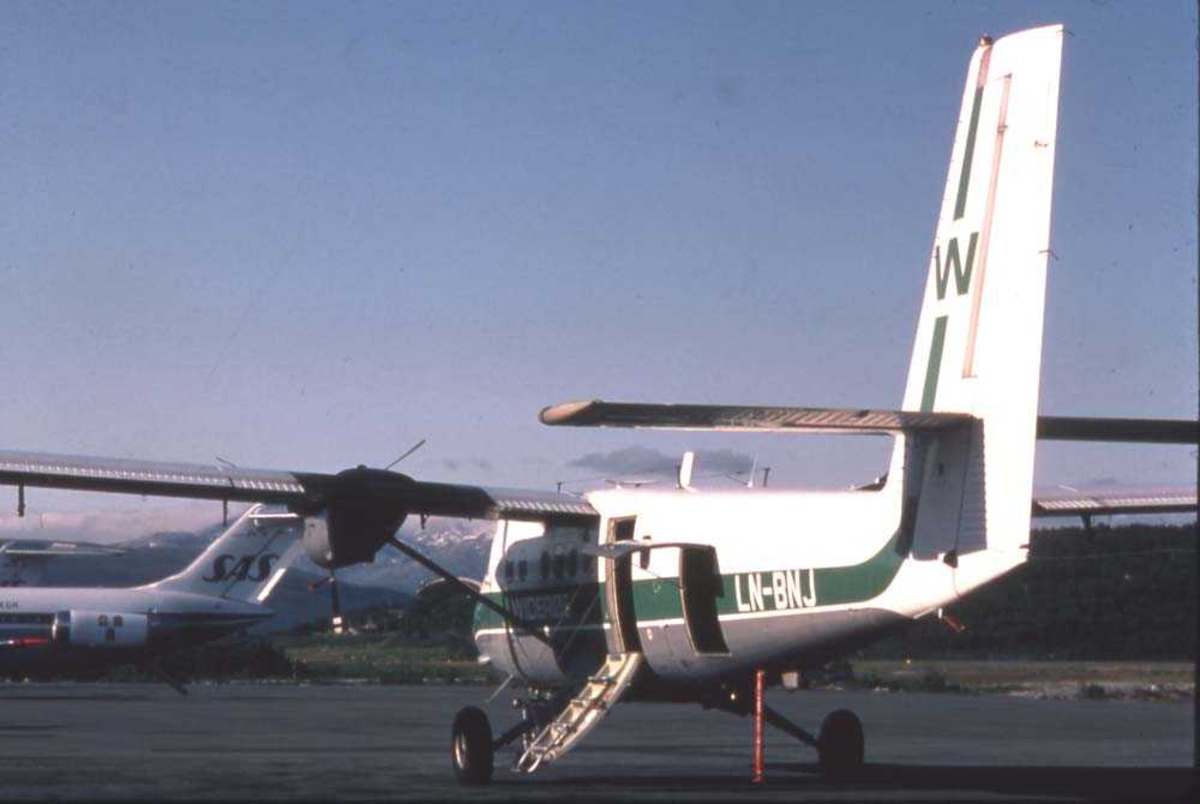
[{"x": 694, "y": 595}]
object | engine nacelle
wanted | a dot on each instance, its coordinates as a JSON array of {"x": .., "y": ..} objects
[
  {"x": 350, "y": 530},
  {"x": 100, "y": 629}
]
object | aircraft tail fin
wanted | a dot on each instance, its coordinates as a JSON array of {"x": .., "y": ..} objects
[
  {"x": 979, "y": 338},
  {"x": 245, "y": 562}
]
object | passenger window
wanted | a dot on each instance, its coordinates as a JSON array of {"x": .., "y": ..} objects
[
  {"x": 545, "y": 565},
  {"x": 508, "y": 570},
  {"x": 573, "y": 563},
  {"x": 522, "y": 569},
  {"x": 559, "y": 562}
]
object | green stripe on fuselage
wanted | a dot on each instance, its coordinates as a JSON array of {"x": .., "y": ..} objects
[{"x": 777, "y": 590}]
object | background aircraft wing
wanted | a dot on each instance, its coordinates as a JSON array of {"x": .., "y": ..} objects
[{"x": 1099, "y": 502}]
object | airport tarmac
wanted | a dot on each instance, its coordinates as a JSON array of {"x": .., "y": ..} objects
[{"x": 256, "y": 741}]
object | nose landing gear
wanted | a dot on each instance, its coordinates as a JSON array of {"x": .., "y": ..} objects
[{"x": 471, "y": 748}]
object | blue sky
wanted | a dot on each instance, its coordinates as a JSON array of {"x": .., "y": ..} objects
[{"x": 307, "y": 235}]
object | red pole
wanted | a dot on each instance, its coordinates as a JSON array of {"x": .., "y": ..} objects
[{"x": 758, "y": 727}]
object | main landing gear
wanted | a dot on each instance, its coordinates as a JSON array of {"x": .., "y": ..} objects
[{"x": 840, "y": 744}]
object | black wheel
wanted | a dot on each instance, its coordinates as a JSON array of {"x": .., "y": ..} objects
[
  {"x": 840, "y": 744},
  {"x": 471, "y": 747}
]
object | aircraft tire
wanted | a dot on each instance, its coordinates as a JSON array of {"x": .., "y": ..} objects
[
  {"x": 840, "y": 745},
  {"x": 471, "y": 749}
]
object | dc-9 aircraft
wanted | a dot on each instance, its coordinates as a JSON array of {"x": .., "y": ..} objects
[
  {"x": 694, "y": 595},
  {"x": 48, "y": 629}
]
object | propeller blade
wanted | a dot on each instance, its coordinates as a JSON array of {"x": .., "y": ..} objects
[{"x": 339, "y": 625}]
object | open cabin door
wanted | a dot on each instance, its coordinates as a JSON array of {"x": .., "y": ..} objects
[
  {"x": 622, "y": 618},
  {"x": 699, "y": 587}
]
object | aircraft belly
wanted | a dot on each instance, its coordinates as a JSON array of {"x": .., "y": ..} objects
[
  {"x": 579, "y": 653},
  {"x": 797, "y": 639}
]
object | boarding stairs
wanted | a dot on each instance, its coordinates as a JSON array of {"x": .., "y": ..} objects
[{"x": 582, "y": 713}]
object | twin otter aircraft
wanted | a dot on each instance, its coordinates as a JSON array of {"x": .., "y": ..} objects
[{"x": 694, "y": 595}]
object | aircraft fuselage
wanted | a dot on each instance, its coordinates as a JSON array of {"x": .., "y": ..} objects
[{"x": 47, "y": 629}]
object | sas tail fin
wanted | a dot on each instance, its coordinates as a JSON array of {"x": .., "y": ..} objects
[
  {"x": 245, "y": 562},
  {"x": 979, "y": 338}
]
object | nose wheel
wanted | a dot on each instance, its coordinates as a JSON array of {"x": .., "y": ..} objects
[{"x": 471, "y": 747}]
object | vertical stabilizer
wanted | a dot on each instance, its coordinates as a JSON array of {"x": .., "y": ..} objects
[
  {"x": 243, "y": 563},
  {"x": 979, "y": 338}
]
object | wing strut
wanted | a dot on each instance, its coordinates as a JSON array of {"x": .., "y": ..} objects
[{"x": 508, "y": 615}]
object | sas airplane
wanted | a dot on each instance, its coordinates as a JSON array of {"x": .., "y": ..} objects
[
  {"x": 52, "y": 629},
  {"x": 701, "y": 596}
]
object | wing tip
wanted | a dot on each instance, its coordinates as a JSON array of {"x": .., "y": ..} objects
[{"x": 564, "y": 412}]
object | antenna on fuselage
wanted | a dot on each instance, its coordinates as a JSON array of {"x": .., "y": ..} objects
[{"x": 410, "y": 451}]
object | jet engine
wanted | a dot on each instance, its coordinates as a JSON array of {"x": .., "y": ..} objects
[{"x": 100, "y": 629}]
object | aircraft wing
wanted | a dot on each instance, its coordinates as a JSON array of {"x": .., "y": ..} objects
[
  {"x": 80, "y": 473},
  {"x": 762, "y": 418},
  {"x": 298, "y": 490},
  {"x": 1099, "y": 502}
]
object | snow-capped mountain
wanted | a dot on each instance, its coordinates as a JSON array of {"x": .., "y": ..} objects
[{"x": 459, "y": 545}]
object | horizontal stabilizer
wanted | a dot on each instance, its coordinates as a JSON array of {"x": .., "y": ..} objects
[
  {"x": 767, "y": 418},
  {"x": 30, "y": 548},
  {"x": 753, "y": 418},
  {"x": 1140, "y": 431}
]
